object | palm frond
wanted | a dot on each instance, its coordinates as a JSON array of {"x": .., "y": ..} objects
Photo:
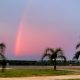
[
  {"x": 78, "y": 45},
  {"x": 62, "y": 57},
  {"x": 2, "y": 45},
  {"x": 45, "y": 55},
  {"x": 76, "y": 55},
  {"x": 48, "y": 50},
  {"x": 2, "y": 48},
  {"x": 58, "y": 50}
]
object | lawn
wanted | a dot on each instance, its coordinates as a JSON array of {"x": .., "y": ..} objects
[{"x": 34, "y": 72}]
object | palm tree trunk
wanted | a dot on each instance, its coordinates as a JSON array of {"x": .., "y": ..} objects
[{"x": 55, "y": 64}]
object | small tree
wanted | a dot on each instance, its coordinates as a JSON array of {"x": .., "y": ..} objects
[
  {"x": 2, "y": 50},
  {"x": 53, "y": 55}
]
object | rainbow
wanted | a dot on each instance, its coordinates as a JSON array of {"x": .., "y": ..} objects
[
  {"x": 18, "y": 37},
  {"x": 19, "y": 33}
]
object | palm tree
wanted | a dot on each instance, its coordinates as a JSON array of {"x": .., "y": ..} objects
[
  {"x": 2, "y": 50},
  {"x": 53, "y": 55},
  {"x": 77, "y": 54}
]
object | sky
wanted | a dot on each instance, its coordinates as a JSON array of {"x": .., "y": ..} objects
[{"x": 28, "y": 27}]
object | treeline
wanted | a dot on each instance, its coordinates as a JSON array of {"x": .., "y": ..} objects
[{"x": 40, "y": 63}]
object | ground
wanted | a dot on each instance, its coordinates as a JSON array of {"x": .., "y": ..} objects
[
  {"x": 67, "y": 77},
  {"x": 41, "y": 72}
]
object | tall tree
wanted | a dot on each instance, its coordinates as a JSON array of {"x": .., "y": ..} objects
[{"x": 53, "y": 55}]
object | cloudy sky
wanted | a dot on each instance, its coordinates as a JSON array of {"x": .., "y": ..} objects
[{"x": 28, "y": 27}]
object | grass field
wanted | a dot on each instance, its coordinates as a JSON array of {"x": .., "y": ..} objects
[{"x": 34, "y": 72}]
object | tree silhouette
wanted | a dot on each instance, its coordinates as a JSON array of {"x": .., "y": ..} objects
[
  {"x": 2, "y": 50},
  {"x": 77, "y": 54},
  {"x": 53, "y": 55}
]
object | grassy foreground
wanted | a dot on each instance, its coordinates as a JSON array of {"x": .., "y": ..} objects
[{"x": 33, "y": 72}]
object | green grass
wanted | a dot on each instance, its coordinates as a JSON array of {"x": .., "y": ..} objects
[{"x": 33, "y": 72}]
